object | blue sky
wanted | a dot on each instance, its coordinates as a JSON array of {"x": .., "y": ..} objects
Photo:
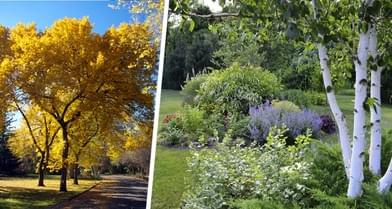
[{"x": 44, "y": 13}]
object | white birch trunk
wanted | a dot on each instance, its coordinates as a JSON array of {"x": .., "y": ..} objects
[
  {"x": 357, "y": 157},
  {"x": 384, "y": 184},
  {"x": 375, "y": 112},
  {"x": 344, "y": 136}
]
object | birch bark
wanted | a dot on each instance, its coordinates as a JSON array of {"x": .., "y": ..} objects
[
  {"x": 344, "y": 136},
  {"x": 375, "y": 112},
  {"x": 384, "y": 184},
  {"x": 357, "y": 156}
]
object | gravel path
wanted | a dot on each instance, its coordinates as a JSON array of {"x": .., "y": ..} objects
[{"x": 115, "y": 192}]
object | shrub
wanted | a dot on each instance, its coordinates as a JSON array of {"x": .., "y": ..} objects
[
  {"x": 386, "y": 90},
  {"x": 303, "y": 73},
  {"x": 191, "y": 88},
  {"x": 327, "y": 124},
  {"x": 286, "y": 106},
  {"x": 192, "y": 119},
  {"x": 386, "y": 150},
  {"x": 169, "y": 118},
  {"x": 233, "y": 90},
  {"x": 272, "y": 172},
  {"x": 171, "y": 133},
  {"x": 188, "y": 125},
  {"x": 303, "y": 98},
  {"x": 258, "y": 203},
  {"x": 328, "y": 167},
  {"x": 263, "y": 117},
  {"x": 328, "y": 188},
  {"x": 278, "y": 176}
]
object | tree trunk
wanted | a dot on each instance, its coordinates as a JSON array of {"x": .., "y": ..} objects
[
  {"x": 41, "y": 170},
  {"x": 71, "y": 170},
  {"x": 64, "y": 163},
  {"x": 375, "y": 112},
  {"x": 357, "y": 157},
  {"x": 344, "y": 136},
  {"x": 92, "y": 171},
  {"x": 76, "y": 173},
  {"x": 384, "y": 184}
]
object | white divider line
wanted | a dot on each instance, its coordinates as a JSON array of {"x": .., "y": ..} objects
[{"x": 157, "y": 102}]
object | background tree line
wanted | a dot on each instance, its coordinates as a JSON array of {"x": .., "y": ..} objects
[{"x": 202, "y": 43}]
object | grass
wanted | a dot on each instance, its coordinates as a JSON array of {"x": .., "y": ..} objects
[
  {"x": 23, "y": 192},
  {"x": 169, "y": 175},
  {"x": 170, "y": 164}
]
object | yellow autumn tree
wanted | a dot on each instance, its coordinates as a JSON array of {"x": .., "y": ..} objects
[
  {"x": 86, "y": 131},
  {"x": 139, "y": 137},
  {"x": 154, "y": 9},
  {"x": 38, "y": 132},
  {"x": 5, "y": 51},
  {"x": 69, "y": 71}
]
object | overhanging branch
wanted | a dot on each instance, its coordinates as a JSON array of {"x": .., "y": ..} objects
[{"x": 214, "y": 15}]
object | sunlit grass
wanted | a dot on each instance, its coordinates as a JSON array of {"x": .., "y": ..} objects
[
  {"x": 170, "y": 163},
  {"x": 169, "y": 175},
  {"x": 23, "y": 192}
]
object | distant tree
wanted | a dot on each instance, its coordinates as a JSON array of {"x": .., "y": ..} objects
[
  {"x": 37, "y": 134},
  {"x": 187, "y": 53},
  {"x": 8, "y": 162}
]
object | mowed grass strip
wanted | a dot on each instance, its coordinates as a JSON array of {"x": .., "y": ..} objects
[
  {"x": 23, "y": 192},
  {"x": 170, "y": 163},
  {"x": 169, "y": 175}
]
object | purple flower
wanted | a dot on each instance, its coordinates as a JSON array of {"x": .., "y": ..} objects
[
  {"x": 263, "y": 117},
  {"x": 328, "y": 124}
]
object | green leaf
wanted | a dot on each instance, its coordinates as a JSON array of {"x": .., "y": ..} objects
[
  {"x": 371, "y": 102},
  {"x": 191, "y": 25}
]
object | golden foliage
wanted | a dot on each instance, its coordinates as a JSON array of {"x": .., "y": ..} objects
[
  {"x": 35, "y": 136},
  {"x": 82, "y": 82}
]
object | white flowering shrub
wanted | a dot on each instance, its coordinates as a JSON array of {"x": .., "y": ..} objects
[{"x": 275, "y": 171}]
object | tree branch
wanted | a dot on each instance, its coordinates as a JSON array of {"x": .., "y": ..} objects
[
  {"x": 70, "y": 103},
  {"x": 28, "y": 126},
  {"x": 54, "y": 136},
  {"x": 214, "y": 15}
]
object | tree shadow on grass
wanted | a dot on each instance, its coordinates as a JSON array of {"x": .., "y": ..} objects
[
  {"x": 115, "y": 194},
  {"x": 17, "y": 197}
]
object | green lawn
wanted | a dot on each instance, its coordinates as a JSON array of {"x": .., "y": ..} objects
[
  {"x": 23, "y": 192},
  {"x": 169, "y": 175},
  {"x": 170, "y": 163}
]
